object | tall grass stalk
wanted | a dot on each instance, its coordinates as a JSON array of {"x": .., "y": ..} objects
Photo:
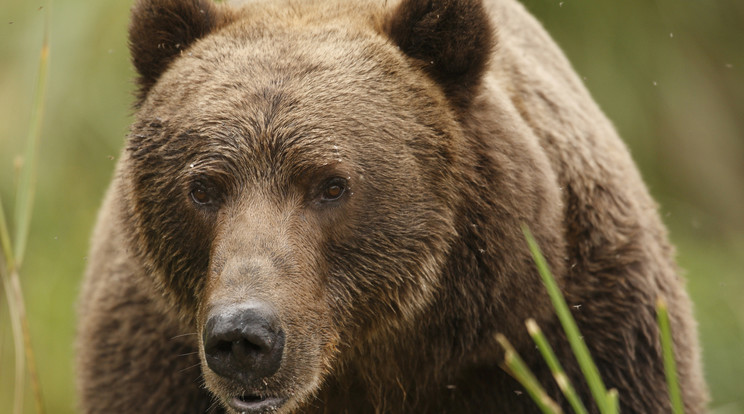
[
  {"x": 7, "y": 258},
  {"x": 555, "y": 367},
  {"x": 516, "y": 367},
  {"x": 17, "y": 326},
  {"x": 606, "y": 402},
  {"x": 670, "y": 366},
  {"x": 13, "y": 252},
  {"x": 27, "y": 181}
]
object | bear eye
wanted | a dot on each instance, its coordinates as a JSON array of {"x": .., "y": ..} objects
[
  {"x": 201, "y": 196},
  {"x": 334, "y": 189}
]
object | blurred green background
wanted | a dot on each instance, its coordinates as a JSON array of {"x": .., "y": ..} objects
[{"x": 669, "y": 73}]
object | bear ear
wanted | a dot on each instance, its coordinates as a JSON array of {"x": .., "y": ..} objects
[
  {"x": 452, "y": 39},
  {"x": 160, "y": 29}
]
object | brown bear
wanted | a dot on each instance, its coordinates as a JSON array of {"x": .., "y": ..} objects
[{"x": 318, "y": 209}]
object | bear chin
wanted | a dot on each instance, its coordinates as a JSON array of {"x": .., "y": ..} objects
[{"x": 254, "y": 404}]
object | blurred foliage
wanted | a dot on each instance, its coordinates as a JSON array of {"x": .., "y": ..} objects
[{"x": 669, "y": 73}]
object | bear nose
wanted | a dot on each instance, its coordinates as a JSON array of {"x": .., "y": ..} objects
[{"x": 243, "y": 342}]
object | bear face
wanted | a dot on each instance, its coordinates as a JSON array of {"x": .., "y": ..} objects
[{"x": 265, "y": 175}]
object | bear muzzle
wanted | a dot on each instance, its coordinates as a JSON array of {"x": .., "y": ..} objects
[{"x": 244, "y": 343}]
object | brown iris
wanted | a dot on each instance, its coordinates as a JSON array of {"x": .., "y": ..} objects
[
  {"x": 334, "y": 190},
  {"x": 200, "y": 196}
]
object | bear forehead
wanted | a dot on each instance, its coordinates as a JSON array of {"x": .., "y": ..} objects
[
  {"x": 324, "y": 61},
  {"x": 314, "y": 87}
]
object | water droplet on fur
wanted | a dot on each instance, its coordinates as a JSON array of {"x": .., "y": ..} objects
[
  {"x": 191, "y": 165},
  {"x": 481, "y": 251}
]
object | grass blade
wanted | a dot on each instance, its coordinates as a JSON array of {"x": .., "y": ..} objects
[
  {"x": 27, "y": 181},
  {"x": 588, "y": 368},
  {"x": 555, "y": 367},
  {"x": 519, "y": 370},
  {"x": 667, "y": 348},
  {"x": 15, "y": 284},
  {"x": 13, "y": 254},
  {"x": 613, "y": 401},
  {"x": 16, "y": 326},
  {"x": 5, "y": 240}
]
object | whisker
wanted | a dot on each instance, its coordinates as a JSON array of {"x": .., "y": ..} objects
[
  {"x": 187, "y": 354},
  {"x": 190, "y": 367},
  {"x": 182, "y": 335},
  {"x": 212, "y": 406}
]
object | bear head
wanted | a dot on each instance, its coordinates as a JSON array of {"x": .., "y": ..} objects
[{"x": 293, "y": 175}]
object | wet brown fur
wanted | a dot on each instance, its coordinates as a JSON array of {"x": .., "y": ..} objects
[{"x": 453, "y": 122}]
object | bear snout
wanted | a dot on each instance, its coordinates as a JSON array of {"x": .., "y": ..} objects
[{"x": 243, "y": 342}]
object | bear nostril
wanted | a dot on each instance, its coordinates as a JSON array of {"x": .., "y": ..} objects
[
  {"x": 243, "y": 342},
  {"x": 222, "y": 347},
  {"x": 244, "y": 349}
]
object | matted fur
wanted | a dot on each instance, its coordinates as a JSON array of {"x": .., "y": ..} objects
[{"x": 451, "y": 122}]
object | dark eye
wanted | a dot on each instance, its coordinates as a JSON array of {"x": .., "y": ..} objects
[
  {"x": 334, "y": 190},
  {"x": 201, "y": 196}
]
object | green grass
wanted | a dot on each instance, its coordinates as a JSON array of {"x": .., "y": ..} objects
[
  {"x": 515, "y": 366},
  {"x": 670, "y": 366},
  {"x": 555, "y": 367},
  {"x": 13, "y": 253},
  {"x": 607, "y": 401}
]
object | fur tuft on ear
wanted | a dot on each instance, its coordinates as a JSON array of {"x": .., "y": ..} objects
[
  {"x": 452, "y": 39},
  {"x": 161, "y": 29}
]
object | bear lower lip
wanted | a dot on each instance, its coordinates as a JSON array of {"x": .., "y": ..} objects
[{"x": 254, "y": 404}]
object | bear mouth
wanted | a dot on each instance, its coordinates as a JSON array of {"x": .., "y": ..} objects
[{"x": 254, "y": 404}]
